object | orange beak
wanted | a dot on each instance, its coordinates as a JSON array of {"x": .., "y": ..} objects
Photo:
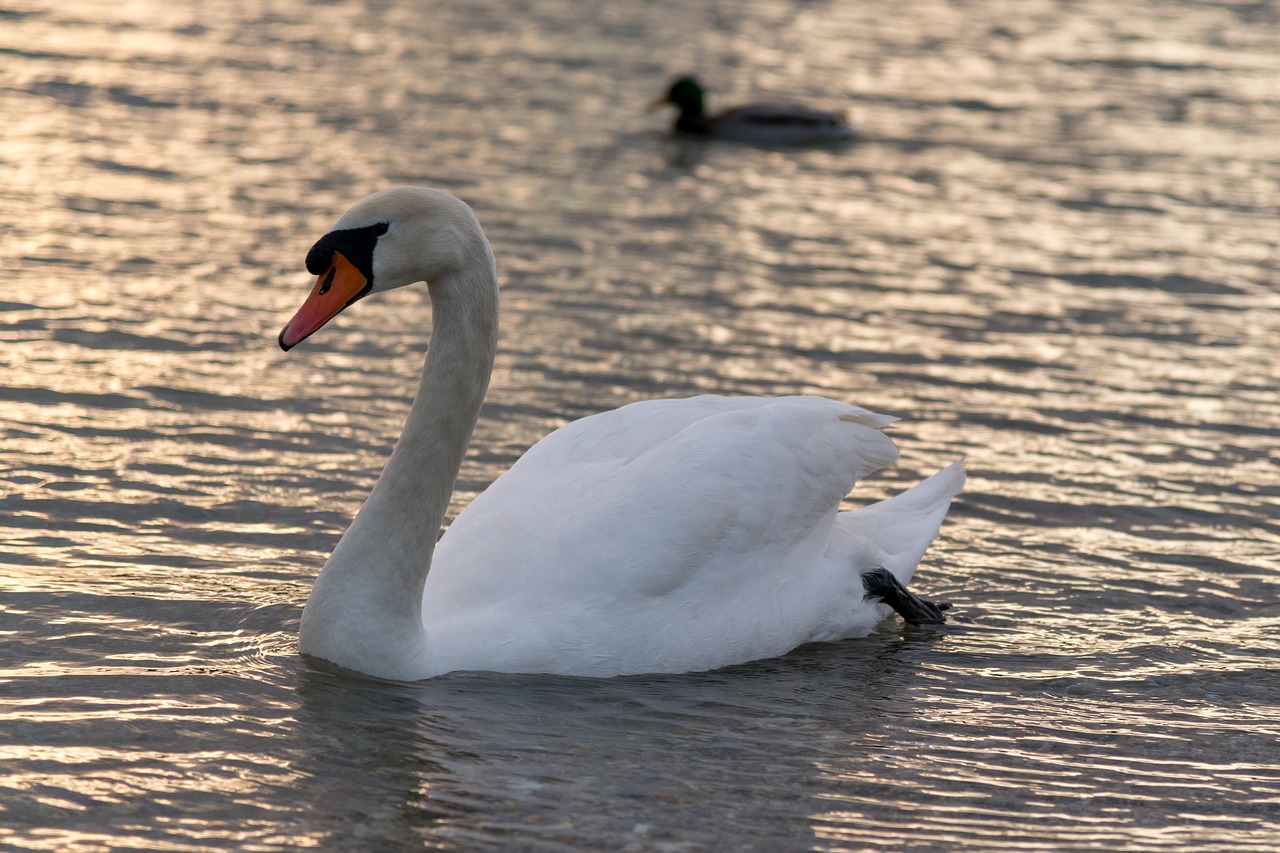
[{"x": 338, "y": 287}]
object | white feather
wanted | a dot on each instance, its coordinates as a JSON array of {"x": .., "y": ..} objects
[{"x": 664, "y": 536}]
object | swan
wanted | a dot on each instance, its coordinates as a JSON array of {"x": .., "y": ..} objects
[
  {"x": 665, "y": 536},
  {"x": 762, "y": 124}
]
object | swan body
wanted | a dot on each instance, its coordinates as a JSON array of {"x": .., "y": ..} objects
[
  {"x": 761, "y": 124},
  {"x": 665, "y": 536}
]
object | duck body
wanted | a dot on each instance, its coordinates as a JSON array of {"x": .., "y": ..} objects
[
  {"x": 761, "y": 124},
  {"x": 664, "y": 536}
]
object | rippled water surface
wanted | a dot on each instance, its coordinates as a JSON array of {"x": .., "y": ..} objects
[{"x": 1054, "y": 251}]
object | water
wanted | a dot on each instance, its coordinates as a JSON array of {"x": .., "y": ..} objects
[{"x": 1055, "y": 253}]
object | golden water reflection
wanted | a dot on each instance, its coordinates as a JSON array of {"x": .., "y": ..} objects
[{"x": 1053, "y": 253}]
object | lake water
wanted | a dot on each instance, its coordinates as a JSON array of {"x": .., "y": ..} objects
[{"x": 1054, "y": 251}]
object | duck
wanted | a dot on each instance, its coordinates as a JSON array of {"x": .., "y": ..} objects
[
  {"x": 664, "y": 536},
  {"x": 761, "y": 124}
]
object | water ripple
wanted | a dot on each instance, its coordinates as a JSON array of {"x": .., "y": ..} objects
[{"x": 1053, "y": 252}]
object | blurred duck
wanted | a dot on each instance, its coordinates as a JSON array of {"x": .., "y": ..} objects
[{"x": 764, "y": 124}]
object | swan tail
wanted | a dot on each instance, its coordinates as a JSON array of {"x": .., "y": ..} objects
[{"x": 901, "y": 528}]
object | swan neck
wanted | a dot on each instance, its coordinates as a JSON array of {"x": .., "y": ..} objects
[
  {"x": 416, "y": 486},
  {"x": 368, "y": 597},
  {"x": 423, "y": 468}
]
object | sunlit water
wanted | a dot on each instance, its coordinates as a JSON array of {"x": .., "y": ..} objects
[{"x": 1055, "y": 252}]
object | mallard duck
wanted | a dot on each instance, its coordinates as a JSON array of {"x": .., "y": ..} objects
[{"x": 764, "y": 124}]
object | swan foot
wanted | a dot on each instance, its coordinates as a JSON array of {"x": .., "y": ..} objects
[{"x": 882, "y": 586}]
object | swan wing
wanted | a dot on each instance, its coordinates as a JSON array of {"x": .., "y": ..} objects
[{"x": 654, "y": 509}]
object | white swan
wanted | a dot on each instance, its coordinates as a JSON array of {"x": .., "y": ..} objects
[{"x": 664, "y": 536}]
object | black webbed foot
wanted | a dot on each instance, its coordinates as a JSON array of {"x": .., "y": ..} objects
[{"x": 883, "y": 586}]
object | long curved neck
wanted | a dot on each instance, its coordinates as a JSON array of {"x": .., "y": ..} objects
[
  {"x": 370, "y": 590},
  {"x": 407, "y": 505}
]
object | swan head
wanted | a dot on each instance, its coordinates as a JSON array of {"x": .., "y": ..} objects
[{"x": 392, "y": 238}]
